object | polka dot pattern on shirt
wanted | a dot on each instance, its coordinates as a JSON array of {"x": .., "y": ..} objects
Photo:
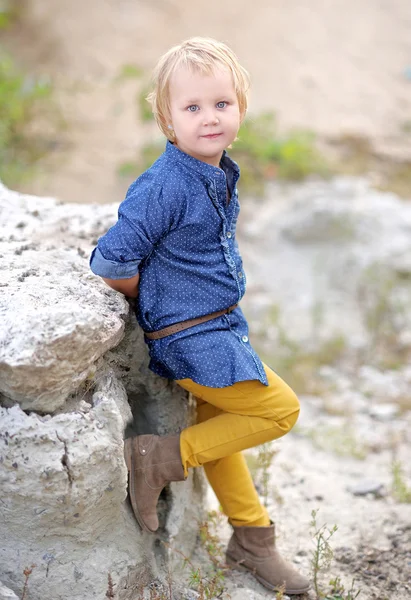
[{"x": 177, "y": 230}]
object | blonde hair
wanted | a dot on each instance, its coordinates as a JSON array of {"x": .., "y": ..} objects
[{"x": 202, "y": 54}]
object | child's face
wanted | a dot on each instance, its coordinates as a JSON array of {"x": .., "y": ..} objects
[{"x": 204, "y": 112}]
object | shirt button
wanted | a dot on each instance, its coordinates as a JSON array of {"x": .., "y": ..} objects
[
  {"x": 244, "y": 338},
  {"x": 240, "y": 274},
  {"x": 229, "y": 234}
]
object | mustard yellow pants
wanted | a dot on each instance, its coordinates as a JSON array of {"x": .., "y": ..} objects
[{"x": 229, "y": 420}]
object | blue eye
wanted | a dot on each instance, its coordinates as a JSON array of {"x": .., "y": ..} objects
[
  {"x": 192, "y": 108},
  {"x": 221, "y": 104}
]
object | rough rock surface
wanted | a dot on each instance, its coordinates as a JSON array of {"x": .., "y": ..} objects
[
  {"x": 6, "y": 593},
  {"x": 57, "y": 319},
  {"x": 73, "y": 377}
]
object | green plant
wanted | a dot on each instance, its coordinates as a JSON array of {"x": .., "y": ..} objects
[
  {"x": 22, "y": 99},
  {"x": 338, "y": 591},
  {"x": 401, "y": 491},
  {"x": 208, "y": 579},
  {"x": 321, "y": 559},
  {"x": 279, "y": 595},
  {"x": 266, "y": 453},
  {"x": 264, "y": 153},
  {"x": 322, "y": 554},
  {"x": 215, "y": 580},
  {"x": 208, "y": 587}
]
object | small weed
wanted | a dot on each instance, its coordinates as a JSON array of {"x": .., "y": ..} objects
[
  {"x": 322, "y": 554},
  {"x": 208, "y": 581},
  {"x": 27, "y": 572},
  {"x": 208, "y": 586},
  {"x": 401, "y": 491},
  {"x": 214, "y": 583},
  {"x": 279, "y": 595},
  {"x": 266, "y": 453},
  {"x": 110, "y": 587},
  {"x": 338, "y": 591},
  {"x": 321, "y": 560}
]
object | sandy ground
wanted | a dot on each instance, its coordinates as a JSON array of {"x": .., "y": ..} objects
[
  {"x": 336, "y": 67},
  {"x": 317, "y": 469}
]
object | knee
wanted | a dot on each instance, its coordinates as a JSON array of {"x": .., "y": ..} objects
[{"x": 292, "y": 414}]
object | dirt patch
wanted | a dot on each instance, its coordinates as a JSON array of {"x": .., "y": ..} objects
[{"x": 386, "y": 573}]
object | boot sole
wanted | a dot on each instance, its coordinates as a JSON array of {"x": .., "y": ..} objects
[
  {"x": 234, "y": 565},
  {"x": 128, "y": 456}
]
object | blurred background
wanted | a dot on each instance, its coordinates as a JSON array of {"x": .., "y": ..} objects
[{"x": 331, "y": 89}]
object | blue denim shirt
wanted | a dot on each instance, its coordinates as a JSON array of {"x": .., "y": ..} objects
[{"x": 177, "y": 229}]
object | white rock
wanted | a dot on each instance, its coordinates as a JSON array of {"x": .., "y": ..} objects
[
  {"x": 70, "y": 347},
  {"x": 57, "y": 320},
  {"x": 57, "y": 317},
  {"x": 64, "y": 484},
  {"x": 6, "y": 594}
]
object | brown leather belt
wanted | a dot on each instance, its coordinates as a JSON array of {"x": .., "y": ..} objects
[{"x": 157, "y": 335}]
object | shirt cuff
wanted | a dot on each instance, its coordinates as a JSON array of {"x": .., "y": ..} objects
[{"x": 111, "y": 269}]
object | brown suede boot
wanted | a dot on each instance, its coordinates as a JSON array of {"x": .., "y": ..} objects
[
  {"x": 153, "y": 462},
  {"x": 253, "y": 548}
]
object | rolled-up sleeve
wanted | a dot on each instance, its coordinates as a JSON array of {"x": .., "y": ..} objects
[{"x": 142, "y": 221}]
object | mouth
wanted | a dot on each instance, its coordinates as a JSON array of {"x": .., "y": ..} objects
[{"x": 212, "y": 136}]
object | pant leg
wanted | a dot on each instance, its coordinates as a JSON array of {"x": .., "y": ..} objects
[
  {"x": 252, "y": 414},
  {"x": 232, "y": 483}
]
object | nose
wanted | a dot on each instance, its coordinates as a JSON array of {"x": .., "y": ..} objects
[{"x": 210, "y": 118}]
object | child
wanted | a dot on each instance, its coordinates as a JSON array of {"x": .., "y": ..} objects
[{"x": 174, "y": 249}]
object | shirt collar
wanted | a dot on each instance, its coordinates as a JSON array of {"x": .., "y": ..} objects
[{"x": 199, "y": 166}]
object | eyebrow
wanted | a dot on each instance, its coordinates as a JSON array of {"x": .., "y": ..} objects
[{"x": 196, "y": 100}]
